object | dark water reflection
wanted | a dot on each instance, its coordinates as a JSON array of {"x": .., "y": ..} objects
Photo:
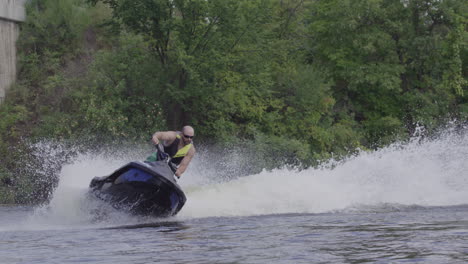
[
  {"x": 424, "y": 235},
  {"x": 159, "y": 226}
]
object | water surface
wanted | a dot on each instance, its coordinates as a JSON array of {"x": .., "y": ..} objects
[
  {"x": 405, "y": 203},
  {"x": 426, "y": 235}
]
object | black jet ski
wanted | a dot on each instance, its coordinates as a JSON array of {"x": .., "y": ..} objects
[{"x": 142, "y": 188}]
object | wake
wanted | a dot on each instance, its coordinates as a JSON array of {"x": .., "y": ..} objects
[{"x": 421, "y": 173}]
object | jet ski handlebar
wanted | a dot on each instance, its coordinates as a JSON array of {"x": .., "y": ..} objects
[{"x": 163, "y": 156}]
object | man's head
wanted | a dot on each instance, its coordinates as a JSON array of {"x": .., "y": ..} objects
[{"x": 187, "y": 134}]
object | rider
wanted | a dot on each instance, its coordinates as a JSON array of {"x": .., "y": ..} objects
[{"x": 178, "y": 145}]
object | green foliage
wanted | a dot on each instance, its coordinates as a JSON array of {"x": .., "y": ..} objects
[
  {"x": 274, "y": 150},
  {"x": 391, "y": 59},
  {"x": 197, "y": 44},
  {"x": 10, "y": 116},
  {"x": 6, "y": 194},
  {"x": 292, "y": 82},
  {"x": 53, "y": 26},
  {"x": 51, "y": 36},
  {"x": 384, "y": 130},
  {"x": 36, "y": 106},
  {"x": 120, "y": 98}
]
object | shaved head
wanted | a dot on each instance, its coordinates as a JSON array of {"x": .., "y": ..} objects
[{"x": 188, "y": 130}]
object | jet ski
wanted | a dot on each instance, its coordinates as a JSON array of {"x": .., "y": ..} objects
[{"x": 145, "y": 188}]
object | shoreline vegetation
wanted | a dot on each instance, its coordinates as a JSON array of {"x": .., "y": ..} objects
[{"x": 289, "y": 83}]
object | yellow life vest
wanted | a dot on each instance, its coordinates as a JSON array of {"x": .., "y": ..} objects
[{"x": 183, "y": 151}]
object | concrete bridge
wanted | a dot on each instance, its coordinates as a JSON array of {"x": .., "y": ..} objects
[{"x": 12, "y": 12}]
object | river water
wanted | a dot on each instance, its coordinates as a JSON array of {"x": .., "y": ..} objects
[{"x": 404, "y": 203}]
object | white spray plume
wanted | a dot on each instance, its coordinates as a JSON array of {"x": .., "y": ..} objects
[{"x": 421, "y": 172}]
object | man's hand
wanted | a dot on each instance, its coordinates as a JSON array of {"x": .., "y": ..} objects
[{"x": 155, "y": 140}]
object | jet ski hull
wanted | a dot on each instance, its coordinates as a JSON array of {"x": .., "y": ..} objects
[{"x": 141, "y": 188}]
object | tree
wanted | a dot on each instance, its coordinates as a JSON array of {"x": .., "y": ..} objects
[
  {"x": 390, "y": 61},
  {"x": 195, "y": 42}
]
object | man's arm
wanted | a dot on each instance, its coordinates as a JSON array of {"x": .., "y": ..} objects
[
  {"x": 168, "y": 136},
  {"x": 185, "y": 162}
]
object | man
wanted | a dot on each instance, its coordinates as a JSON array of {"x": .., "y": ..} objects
[{"x": 178, "y": 145}]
